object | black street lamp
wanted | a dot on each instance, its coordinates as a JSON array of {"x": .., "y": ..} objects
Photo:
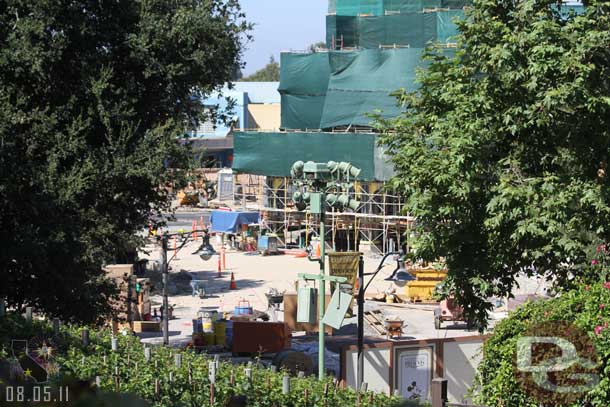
[
  {"x": 205, "y": 252},
  {"x": 400, "y": 276}
]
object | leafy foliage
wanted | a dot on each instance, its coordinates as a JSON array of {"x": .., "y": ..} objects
[
  {"x": 502, "y": 153},
  {"x": 92, "y": 98},
  {"x": 586, "y": 307},
  {"x": 138, "y": 376},
  {"x": 270, "y": 73}
]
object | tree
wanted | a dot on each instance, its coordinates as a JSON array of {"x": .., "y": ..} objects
[
  {"x": 502, "y": 153},
  {"x": 93, "y": 96},
  {"x": 270, "y": 73},
  {"x": 313, "y": 47}
]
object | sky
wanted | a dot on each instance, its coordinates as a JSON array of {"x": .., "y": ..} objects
[{"x": 282, "y": 25}]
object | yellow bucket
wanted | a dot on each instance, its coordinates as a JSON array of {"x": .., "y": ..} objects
[
  {"x": 207, "y": 324},
  {"x": 220, "y": 332}
]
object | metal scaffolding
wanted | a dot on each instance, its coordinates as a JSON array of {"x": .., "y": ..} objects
[{"x": 379, "y": 225}]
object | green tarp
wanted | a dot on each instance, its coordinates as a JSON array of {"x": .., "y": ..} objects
[
  {"x": 345, "y": 87},
  {"x": 383, "y": 7},
  {"x": 303, "y": 83},
  {"x": 272, "y": 154},
  {"x": 357, "y": 7},
  {"x": 406, "y": 29},
  {"x": 341, "y": 31},
  {"x": 415, "y": 30},
  {"x": 364, "y": 82},
  {"x": 446, "y": 29}
]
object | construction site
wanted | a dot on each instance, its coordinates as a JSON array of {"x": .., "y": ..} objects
[
  {"x": 328, "y": 99},
  {"x": 281, "y": 197}
]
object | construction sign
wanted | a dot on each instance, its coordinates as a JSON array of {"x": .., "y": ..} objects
[{"x": 344, "y": 264}]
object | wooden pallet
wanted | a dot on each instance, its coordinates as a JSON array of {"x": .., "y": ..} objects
[
  {"x": 376, "y": 320},
  {"x": 416, "y": 300}
]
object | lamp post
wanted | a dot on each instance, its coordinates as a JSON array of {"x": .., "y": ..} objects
[
  {"x": 321, "y": 182},
  {"x": 205, "y": 252},
  {"x": 399, "y": 276}
]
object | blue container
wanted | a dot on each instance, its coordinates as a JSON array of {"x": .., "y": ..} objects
[
  {"x": 243, "y": 308},
  {"x": 229, "y": 333},
  {"x": 197, "y": 326}
]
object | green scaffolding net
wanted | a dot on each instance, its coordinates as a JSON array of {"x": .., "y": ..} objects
[
  {"x": 415, "y": 30},
  {"x": 339, "y": 88},
  {"x": 408, "y": 29},
  {"x": 363, "y": 82},
  {"x": 303, "y": 84},
  {"x": 383, "y": 7},
  {"x": 273, "y": 154},
  {"x": 341, "y": 31},
  {"x": 446, "y": 27}
]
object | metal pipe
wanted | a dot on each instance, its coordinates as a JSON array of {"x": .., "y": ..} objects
[
  {"x": 360, "y": 322},
  {"x": 322, "y": 296},
  {"x": 165, "y": 272}
]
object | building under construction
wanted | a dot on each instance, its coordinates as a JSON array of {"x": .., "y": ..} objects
[{"x": 373, "y": 48}]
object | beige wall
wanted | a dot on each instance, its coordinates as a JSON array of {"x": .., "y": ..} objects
[
  {"x": 460, "y": 362},
  {"x": 385, "y": 368},
  {"x": 264, "y": 116}
]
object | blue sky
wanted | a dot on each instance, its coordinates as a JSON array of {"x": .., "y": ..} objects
[{"x": 282, "y": 25}]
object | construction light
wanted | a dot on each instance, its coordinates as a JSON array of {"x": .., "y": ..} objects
[
  {"x": 332, "y": 200},
  {"x": 348, "y": 169},
  {"x": 297, "y": 169},
  {"x": 299, "y": 200},
  {"x": 332, "y": 166},
  {"x": 345, "y": 201}
]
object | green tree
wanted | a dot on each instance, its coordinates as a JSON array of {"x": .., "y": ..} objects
[
  {"x": 270, "y": 73},
  {"x": 502, "y": 153},
  {"x": 316, "y": 45},
  {"x": 92, "y": 98}
]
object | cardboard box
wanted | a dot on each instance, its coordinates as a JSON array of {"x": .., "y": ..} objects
[
  {"x": 260, "y": 337},
  {"x": 146, "y": 326}
]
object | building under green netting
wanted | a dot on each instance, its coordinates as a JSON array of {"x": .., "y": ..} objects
[{"x": 374, "y": 48}]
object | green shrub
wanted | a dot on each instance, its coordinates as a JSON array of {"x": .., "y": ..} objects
[
  {"x": 190, "y": 383},
  {"x": 586, "y": 308}
]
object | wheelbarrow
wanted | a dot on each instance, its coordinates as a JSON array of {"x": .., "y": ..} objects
[{"x": 448, "y": 310}]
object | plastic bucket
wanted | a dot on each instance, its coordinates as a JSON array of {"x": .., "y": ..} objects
[
  {"x": 209, "y": 339},
  {"x": 243, "y": 308},
  {"x": 229, "y": 334},
  {"x": 207, "y": 325},
  {"x": 198, "y": 340},
  {"x": 197, "y": 327},
  {"x": 220, "y": 332}
]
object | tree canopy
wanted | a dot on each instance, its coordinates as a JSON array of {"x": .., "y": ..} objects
[
  {"x": 93, "y": 96},
  {"x": 270, "y": 73},
  {"x": 503, "y": 151}
]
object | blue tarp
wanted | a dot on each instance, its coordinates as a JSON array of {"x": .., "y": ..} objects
[{"x": 230, "y": 222}]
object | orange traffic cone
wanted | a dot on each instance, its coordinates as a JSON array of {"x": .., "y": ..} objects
[
  {"x": 233, "y": 285},
  {"x": 318, "y": 254}
]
